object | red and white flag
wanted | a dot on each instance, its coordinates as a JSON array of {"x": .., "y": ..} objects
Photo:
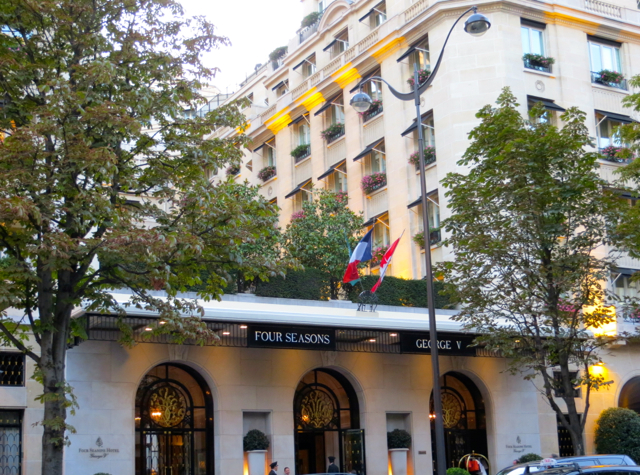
[{"x": 386, "y": 260}]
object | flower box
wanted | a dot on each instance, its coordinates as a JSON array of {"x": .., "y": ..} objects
[
  {"x": 267, "y": 173},
  {"x": 434, "y": 237},
  {"x": 616, "y": 154},
  {"x": 373, "y": 182},
  {"x": 538, "y": 62},
  {"x": 374, "y": 110},
  {"x": 423, "y": 75},
  {"x": 333, "y": 132},
  {"x": 609, "y": 78},
  {"x": 429, "y": 156},
  {"x": 301, "y": 151},
  {"x": 377, "y": 254},
  {"x": 233, "y": 170}
]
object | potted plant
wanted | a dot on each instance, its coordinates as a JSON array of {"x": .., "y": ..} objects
[
  {"x": 267, "y": 173},
  {"x": 429, "y": 156},
  {"x": 373, "y": 182},
  {"x": 609, "y": 77},
  {"x": 278, "y": 53},
  {"x": 616, "y": 154},
  {"x": 301, "y": 151},
  {"x": 434, "y": 237},
  {"x": 256, "y": 444},
  {"x": 233, "y": 170},
  {"x": 423, "y": 75},
  {"x": 310, "y": 19},
  {"x": 333, "y": 132},
  {"x": 537, "y": 61},
  {"x": 398, "y": 442}
]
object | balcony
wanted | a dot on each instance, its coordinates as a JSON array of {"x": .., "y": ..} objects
[
  {"x": 373, "y": 182},
  {"x": 604, "y": 79},
  {"x": 374, "y": 110},
  {"x": 376, "y": 204},
  {"x": 336, "y": 151},
  {"x": 303, "y": 171}
]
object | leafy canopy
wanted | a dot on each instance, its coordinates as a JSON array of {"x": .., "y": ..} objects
[{"x": 528, "y": 230}]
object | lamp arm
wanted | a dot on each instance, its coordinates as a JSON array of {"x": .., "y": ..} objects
[{"x": 407, "y": 96}]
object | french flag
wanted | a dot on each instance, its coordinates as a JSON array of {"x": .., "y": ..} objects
[
  {"x": 386, "y": 260},
  {"x": 361, "y": 253}
]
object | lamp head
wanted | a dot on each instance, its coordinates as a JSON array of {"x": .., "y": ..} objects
[
  {"x": 361, "y": 102},
  {"x": 477, "y": 24}
]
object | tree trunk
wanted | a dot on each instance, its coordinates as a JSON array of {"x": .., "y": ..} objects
[{"x": 52, "y": 366}]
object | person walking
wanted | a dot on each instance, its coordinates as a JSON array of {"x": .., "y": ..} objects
[
  {"x": 333, "y": 468},
  {"x": 274, "y": 468}
]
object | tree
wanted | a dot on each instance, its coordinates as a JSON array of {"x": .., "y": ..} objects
[
  {"x": 103, "y": 181},
  {"x": 526, "y": 223},
  {"x": 323, "y": 234},
  {"x": 618, "y": 432}
]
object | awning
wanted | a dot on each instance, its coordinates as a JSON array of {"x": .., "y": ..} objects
[
  {"x": 295, "y": 121},
  {"x": 412, "y": 48},
  {"x": 331, "y": 169},
  {"x": 330, "y": 44},
  {"x": 625, "y": 119},
  {"x": 372, "y": 221},
  {"x": 299, "y": 64},
  {"x": 419, "y": 200},
  {"x": 280, "y": 84},
  {"x": 327, "y": 104},
  {"x": 547, "y": 103},
  {"x": 414, "y": 125},
  {"x": 263, "y": 144},
  {"x": 367, "y": 14},
  {"x": 367, "y": 76},
  {"x": 297, "y": 188},
  {"x": 367, "y": 149}
]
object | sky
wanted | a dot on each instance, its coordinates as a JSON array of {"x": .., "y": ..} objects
[{"x": 255, "y": 28}]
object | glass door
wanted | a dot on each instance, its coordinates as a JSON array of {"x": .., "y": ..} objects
[{"x": 353, "y": 451}]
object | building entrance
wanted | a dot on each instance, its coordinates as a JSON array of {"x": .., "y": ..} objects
[
  {"x": 327, "y": 421},
  {"x": 174, "y": 423},
  {"x": 465, "y": 428},
  {"x": 630, "y": 395}
]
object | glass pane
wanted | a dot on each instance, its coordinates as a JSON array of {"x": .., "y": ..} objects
[
  {"x": 353, "y": 451},
  {"x": 596, "y": 61},
  {"x": 526, "y": 46},
  {"x": 616, "y": 59},
  {"x": 607, "y": 58},
  {"x": 200, "y": 453},
  {"x": 536, "y": 42}
]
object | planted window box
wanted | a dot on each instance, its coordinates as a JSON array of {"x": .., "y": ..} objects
[
  {"x": 609, "y": 78},
  {"x": 423, "y": 75},
  {"x": 429, "y": 156},
  {"x": 233, "y": 170},
  {"x": 538, "y": 62},
  {"x": 310, "y": 19},
  {"x": 371, "y": 112},
  {"x": 377, "y": 254},
  {"x": 616, "y": 154},
  {"x": 333, "y": 132},
  {"x": 434, "y": 237},
  {"x": 373, "y": 182},
  {"x": 301, "y": 152},
  {"x": 267, "y": 173}
]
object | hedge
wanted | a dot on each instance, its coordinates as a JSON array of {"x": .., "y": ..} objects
[
  {"x": 618, "y": 432},
  {"x": 401, "y": 292},
  {"x": 308, "y": 284}
]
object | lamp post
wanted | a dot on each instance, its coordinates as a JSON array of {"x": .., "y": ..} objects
[{"x": 476, "y": 25}]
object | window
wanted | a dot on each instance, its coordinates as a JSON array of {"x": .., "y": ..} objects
[
  {"x": 381, "y": 232},
  {"x": 338, "y": 180},
  {"x": 532, "y": 40},
  {"x": 428, "y": 132},
  {"x": 337, "y": 111},
  {"x": 374, "y": 89},
  {"x": 250, "y": 97},
  {"x": 11, "y": 442},
  {"x": 309, "y": 66},
  {"x": 282, "y": 88},
  {"x": 304, "y": 195},
  {"x": 11, "y": 369},
  {"x": 420, "y": 56},
  {"x": 433, "y": 211},
  {"x": 604, "y": 56},
  {"x": 341, "y": 44},
  {"x": 379, "y": 15},
  {"x": 558, "y": 391},
  {"x": 270, "y": 153},
  {"x": 607, "y": 131},
  {"x": 376, "y": 161},
  {"x": 303, "y": 132},
  {"x": 624, "y": 287},
  {"x": 546, "y": 118}
]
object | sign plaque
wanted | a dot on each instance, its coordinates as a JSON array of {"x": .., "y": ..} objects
[
  {"x": 448, "y": 343},
  {"x": 309, "y": 338}
]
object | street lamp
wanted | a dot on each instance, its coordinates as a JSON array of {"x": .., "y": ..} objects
[{"x": 476, "y": 25}]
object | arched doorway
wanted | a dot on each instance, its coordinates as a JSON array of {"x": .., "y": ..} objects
[
  {"x": 327, "y": 421},
  {"x": 630, "y": 395},
  {"x": 465, "y": 427},
  {"x": 174, "y": 423}
]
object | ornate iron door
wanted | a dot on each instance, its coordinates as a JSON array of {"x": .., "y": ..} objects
[{"x": 353, "y": 451}]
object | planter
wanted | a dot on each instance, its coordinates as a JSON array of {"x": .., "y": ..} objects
[
  {"x": 398, "y": 461},
  {"x": 256, "y": 460}
]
